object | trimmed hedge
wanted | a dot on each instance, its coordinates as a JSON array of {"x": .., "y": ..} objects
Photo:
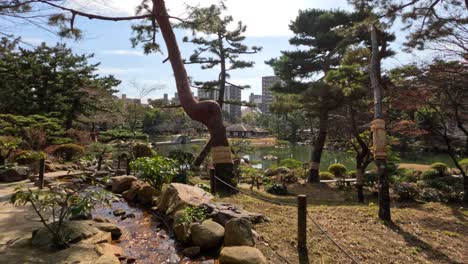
[
  {"x": 69, "y": 152},
  {"x": 337, "y": 169}
]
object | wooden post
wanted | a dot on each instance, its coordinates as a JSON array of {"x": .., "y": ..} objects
[
  {"x": 212, "y": 180},
  {"x": 41, "y": 173},
  {"x": 302, "y": 229}
]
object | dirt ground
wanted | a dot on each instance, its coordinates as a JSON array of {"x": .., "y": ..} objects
[{"x": 420, "y": 232}]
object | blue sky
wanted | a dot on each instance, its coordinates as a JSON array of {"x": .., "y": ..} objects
[{"x": 266, "y": 20}]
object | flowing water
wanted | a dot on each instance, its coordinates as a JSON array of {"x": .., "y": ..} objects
[{"x": 145, "y": 236}]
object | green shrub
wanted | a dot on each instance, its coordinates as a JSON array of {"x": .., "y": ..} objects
[
  {"x": 60, "y": 140},
  {"x": 291, "y": 163},
  {"x": 406, "y": 191},
  {"x": 69, "y": 152},
  {"x": 71, "y": 200},
  {"x": 337, "y": 169},
  {"x": 276, "y": 189},
  {"x": 464, "y": 164},
  {"x": 156, "y": 170},
  {"x": 119, "y": 134},
  {"x": 26, "y": 157},
  {"x": 142, "y": 150},
  {"x": 184, "y": 159},
  {"x": 430, "y": 174},
  {"x": 440, "y": 167},
  {"x": 194, "y": 214},
  {"x": 325, "y": 175},
  {"x": 446, "y": 184},
  {"x": 352, "y": 174}
]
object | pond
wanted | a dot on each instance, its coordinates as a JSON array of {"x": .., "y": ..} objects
[{"x": 303, "y": 153}]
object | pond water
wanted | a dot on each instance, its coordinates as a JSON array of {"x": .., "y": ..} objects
[{"x": 303, "y": 153}]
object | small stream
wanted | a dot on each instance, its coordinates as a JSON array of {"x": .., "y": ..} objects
[{"x": 145, "y": 238}]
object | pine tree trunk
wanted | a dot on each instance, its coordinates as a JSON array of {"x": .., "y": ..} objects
[
  {"x": 207, "y": 112},
  {"x": 318, "y": 147},
  {"x": 380, "y": 161},
  {"x": 360, "y": 183}
]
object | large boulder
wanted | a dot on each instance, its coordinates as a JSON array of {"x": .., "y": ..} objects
[
  {"x": 241, "y": 255},
  {"x": 131, "y": 194},
  {"x": 145, "y": 194},
  {"x": 115, "y": 231},
  {"x": 122, "y": 183},
  {"x": 72, "y": 232},
  {"x": 207, "y": 234},
  {"x": 177, "y": 196},
  {"x": 14, "y": 174},
  {"x": 238, "y": 232},
  {"x": 223, "y": 212},
  {"x": 85, "y": 254}
]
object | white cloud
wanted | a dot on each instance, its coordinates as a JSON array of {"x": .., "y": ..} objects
[
  {"x": 123, "y": 52},
  {"x": 262, "y": 17}
]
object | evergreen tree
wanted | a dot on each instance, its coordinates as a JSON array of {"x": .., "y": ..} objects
[
  {"x": 319, "y": 48},
  {"x": 217, "y": 47}
]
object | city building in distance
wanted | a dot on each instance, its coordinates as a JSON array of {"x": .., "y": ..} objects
[{"x": 267, "y": 94}]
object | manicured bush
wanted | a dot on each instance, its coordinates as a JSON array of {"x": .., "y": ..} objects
[
  {"x": 430, "y": 174},
  {"x": 405, "y": 175},
  {"x": 276, "y": 189},
  {"x": 440, "y": 167},
  {"x": 337, "y": 169},
  {"x": 352, "y": 174},
  {"x": 69, "y": 152},
  {"x": 25, "y": 157},
  {"x": 116, "y": 134},
  {"x": 291, "y": 163},
  {"x": 406, "y": 191},
  {"x": 325, "y": 175},
  {"x": 156, "y": 170},
  {"x": 142, "y": 150},
  {"x": 464, "y": 164}
]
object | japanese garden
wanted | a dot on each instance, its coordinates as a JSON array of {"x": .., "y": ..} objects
[{"x": 299, "y": 132}]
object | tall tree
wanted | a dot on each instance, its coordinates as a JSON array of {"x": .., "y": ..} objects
[
  {"x": 51, "y": 79},
  {"x": 320, "y": 48},
  {"x": 153, "y": 17},
  {"x": 352, "y": 77},
  {"x": 218, "y": 47}
]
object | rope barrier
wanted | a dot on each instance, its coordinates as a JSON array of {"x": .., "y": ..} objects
[
  {"x": 332, "y": 240},
  {"x": 293, "y": 205}
]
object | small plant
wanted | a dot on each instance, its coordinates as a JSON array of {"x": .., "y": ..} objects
[
  {"x": 97, "y": 151},
  {"x": 406, "y": 191},
  {"x": 291, "y": 163},
  {"x": 69, "y": 152},
  {"x": 142, "y": 150},
  {"x": 193, "y": 214},
  {"x": 325, "y": 175},
  {"x": 7, "y": 146},
  {"x": 61, "y": 202},
  {"x": 184, "y": 159},
  {"x": 440, "y": 167},
  {"x": 156, "y": 170},
  {"x": 276, "y": 189},
  {"x": 430, "y": 174},
  {"x": 339, "y": 170},
  {"x": 252, "y": 175},
  {"x": 26, "y": 157}
]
